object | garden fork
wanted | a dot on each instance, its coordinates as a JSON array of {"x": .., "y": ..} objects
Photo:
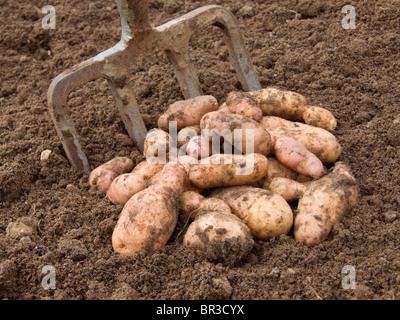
[{"x": 140, "y": 39}]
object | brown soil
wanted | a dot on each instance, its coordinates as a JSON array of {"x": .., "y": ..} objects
[{"x": 298, "y": 45}]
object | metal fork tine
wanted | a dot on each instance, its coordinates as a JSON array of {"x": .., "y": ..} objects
[
  {"x": 186, "y": 73},
  {"x": 129, "y": 112}
]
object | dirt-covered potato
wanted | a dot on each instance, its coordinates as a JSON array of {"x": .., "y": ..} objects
[
  {"x": 324, "y": 203},
  {"x": 187, "y": 112},
  {"x": 267, "y": 214},
  {"x": 293, "y": 106},
  {"x": 244, "y": 104},
  {"x": 244, "y": 133},
  {"x": 219, "y": 236},
  {"x": 124, "y": 187},
  {"x": 228, "y": 170},
  {"x": 297, "y": 157},
  {"x": 214, "y": 204},
  {"x": 147, "y": 169},
  {"x": 274, "y": 122},
  {"x": 317, "y": 140},
  {"x": 289, "y": 189},
  {"x": 149, "y": 218},
  {"x": 102, "y": 177},
  {"x": 278, "y": 169},
  {"x": 197, "y": 204}
]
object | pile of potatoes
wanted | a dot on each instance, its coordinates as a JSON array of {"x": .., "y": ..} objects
[{"x": 259, "y": 165}]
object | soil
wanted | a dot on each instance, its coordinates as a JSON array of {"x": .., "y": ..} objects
[{"x": 50, "y": 217}]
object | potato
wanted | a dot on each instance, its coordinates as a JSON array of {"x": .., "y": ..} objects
[
  {"x": 213, "y": 204},
  {"x": 236, "y": 129},
  {"x": 186, "y": 134},
  {"x": 292, "y": 106},
  {"x": 149, "y": 218},
  {"x": 267, "y": 214},
  {"x": 324, "y": 203},
  {"x": 102, "y": 177},
  {"x": 148, "y": 170},
  {"x": 278, "y": 169},
  {"x": 320, "y": 117},
  {"x": 296, "y": 156},
  {"x": 157, "y": 146},
  {"x": 124, "y": 187},
  {"x": 244, "y": 104},
  {"x": 187, "y": 112},
  {"x": 317, "y": 140},
  {"x": 199, "y": 147},
  {"x": 219, "y": 236},
  {"x": 228, "y": 170},
  {"x": 289, "y": 189},
  {"x": 281, "y": 103},
  {"x": 190, "y": 202},
  {"x": 274, "y": 122}
]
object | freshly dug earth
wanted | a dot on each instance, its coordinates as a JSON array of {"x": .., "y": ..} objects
[{"x": 48, "y": 215}]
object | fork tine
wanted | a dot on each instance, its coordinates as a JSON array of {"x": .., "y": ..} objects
[
  {"x": 185, "y": 72},
  {"x": 130, "y": 115},
  {"x": 226, "y": 21},
  {"x": 57, "y": 95}
]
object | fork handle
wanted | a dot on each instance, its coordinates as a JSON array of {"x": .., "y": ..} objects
[{"x": 135, "y": 14}]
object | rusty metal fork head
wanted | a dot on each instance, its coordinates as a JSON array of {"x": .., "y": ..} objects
[{"x": 138, "y": 40}]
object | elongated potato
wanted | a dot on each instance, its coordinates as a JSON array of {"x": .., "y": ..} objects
[
  {"x": 267, "y": 214},
  {"x": 324, "y": 203},
  {"x": 281, "y": 103},
  {"x": 149, "y": 218},
  {"x": 319, "y": 141},
  {"x": 297, "y": 157},
  {"x": 219, "y": 236},
  {"x": 148, "y": 170},
  {"x": 242, "y": 132},
  {"x": 292, "y": 106},
  {"x": 228, "y": 170},
  {"x": 244, "y": 104},
  {"x": 124, "y": 187},
  {"x": 320, "y": 117},
  {"x": 289, "y": 189},
  {"x": 102, "y": 177},
  {"x": 187, "y": 112}
]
